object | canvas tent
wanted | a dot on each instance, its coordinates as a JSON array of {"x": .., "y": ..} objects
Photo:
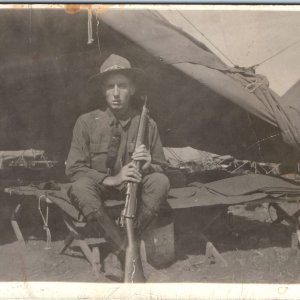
[{"x": 196, "y": 99}]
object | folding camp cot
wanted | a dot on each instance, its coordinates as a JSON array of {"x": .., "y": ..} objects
[
  {"x": 255, "y": 189},
  {"x": 252, "y": 188},
  {"x": 158, "y": 245}
]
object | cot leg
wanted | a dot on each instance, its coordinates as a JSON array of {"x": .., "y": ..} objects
[
  {"x": 294, "y": 242},
  {"x": 68, "y": 241},
  {"x": 96, "y": 261},
  {"x": 282, "y": 215},
  {"x": 92, "y": 256},
  {"x": 292, "y": 220},
  {"x": 15, "y": 225},
  {"x": 86, "y": 250},
  {"x": 212, "y": 253}
]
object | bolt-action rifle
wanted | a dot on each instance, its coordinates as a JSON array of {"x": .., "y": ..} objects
[{"x": 133, "y": 265}]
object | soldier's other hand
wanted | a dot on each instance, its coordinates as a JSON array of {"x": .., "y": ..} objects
[
  {"x": 129, "y": 173},
  {"x": 142, "y": 154}
]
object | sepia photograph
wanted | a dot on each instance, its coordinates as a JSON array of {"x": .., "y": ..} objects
[{"x": 146, "y": 144}]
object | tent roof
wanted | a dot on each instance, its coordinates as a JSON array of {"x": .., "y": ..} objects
[{"x": 248, "y": 37}]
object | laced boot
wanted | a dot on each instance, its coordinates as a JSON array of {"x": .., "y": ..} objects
[
  {"x": 113, "y": 262},
  {"x": 114, "y": 266}
]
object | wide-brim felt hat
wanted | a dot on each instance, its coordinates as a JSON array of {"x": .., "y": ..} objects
[{"x": 117, "y": 64}]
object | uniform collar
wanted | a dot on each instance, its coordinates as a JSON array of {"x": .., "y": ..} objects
[{"x": 124, "y": 121}]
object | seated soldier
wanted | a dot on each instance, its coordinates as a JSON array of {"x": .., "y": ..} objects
[{"x": 100, "y": 159}]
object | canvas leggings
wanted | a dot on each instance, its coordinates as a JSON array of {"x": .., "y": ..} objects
[{"x": 90, "y": 197}]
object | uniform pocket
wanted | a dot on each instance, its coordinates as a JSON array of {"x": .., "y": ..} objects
[{"x": 99, "y": 156}]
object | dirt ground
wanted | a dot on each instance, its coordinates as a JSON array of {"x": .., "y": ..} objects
[{"x": 256, "y": 250}]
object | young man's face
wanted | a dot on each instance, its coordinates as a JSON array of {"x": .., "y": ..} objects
[{"x": 118, "y": 89}]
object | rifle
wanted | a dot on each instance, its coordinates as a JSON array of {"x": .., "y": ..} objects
[{"x": 133, "y": 264}]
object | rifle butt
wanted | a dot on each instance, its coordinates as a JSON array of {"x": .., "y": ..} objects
[{"x": 133, "y": 265}]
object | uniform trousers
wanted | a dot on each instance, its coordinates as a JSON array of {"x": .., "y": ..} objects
[{"x": 90, "y": 197}]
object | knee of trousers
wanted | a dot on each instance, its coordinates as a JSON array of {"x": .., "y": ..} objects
[
  {"x": 83, "y": 185},
  {"x": 156, "y": 184},
  {"x": 87, "y": 195}
]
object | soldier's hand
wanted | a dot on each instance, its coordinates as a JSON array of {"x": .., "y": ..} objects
[
  {"x": 129, "y": 173},
  {"x": 142, "y": 154}
]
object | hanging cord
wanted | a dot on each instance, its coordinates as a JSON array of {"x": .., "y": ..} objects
[
  {"x": 90, "y": 26},
  {"x": 257, "y": 83},
  {"x": 274, "y": 55},
  {"x": 184, "y": 17},
  {"x": 45, "y": 220},
  {"x": 98, "y": 40}
]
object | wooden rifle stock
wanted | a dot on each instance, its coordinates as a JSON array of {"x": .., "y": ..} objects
[{"x": 133, "y": 264}]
